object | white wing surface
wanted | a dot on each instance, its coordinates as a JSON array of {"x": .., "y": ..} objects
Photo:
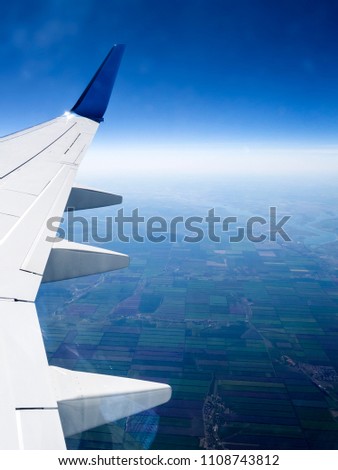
[{"x": 39, "y": 404}]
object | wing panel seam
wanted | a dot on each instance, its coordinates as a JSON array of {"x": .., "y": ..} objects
[{"x": 41, "y": 151}]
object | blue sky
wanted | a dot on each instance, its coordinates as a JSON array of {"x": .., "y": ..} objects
[{"x": 197, "y": 74}]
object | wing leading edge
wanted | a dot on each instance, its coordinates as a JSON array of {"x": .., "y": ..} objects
[{"x": 40, "y": 404}]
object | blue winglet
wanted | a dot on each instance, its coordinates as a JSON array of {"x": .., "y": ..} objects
[{"x": 94, "y": 100}]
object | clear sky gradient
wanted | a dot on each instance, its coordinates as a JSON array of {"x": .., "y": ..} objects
[{"x": 253, "y": 82}]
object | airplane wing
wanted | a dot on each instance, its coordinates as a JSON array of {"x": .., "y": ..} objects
[{"x": 39, "y": 404}]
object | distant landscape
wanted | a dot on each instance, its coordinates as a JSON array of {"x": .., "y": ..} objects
[{"x": 245, "y": 333}]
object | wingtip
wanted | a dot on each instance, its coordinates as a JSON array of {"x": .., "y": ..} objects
[{"x": 94, "y": 100}]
